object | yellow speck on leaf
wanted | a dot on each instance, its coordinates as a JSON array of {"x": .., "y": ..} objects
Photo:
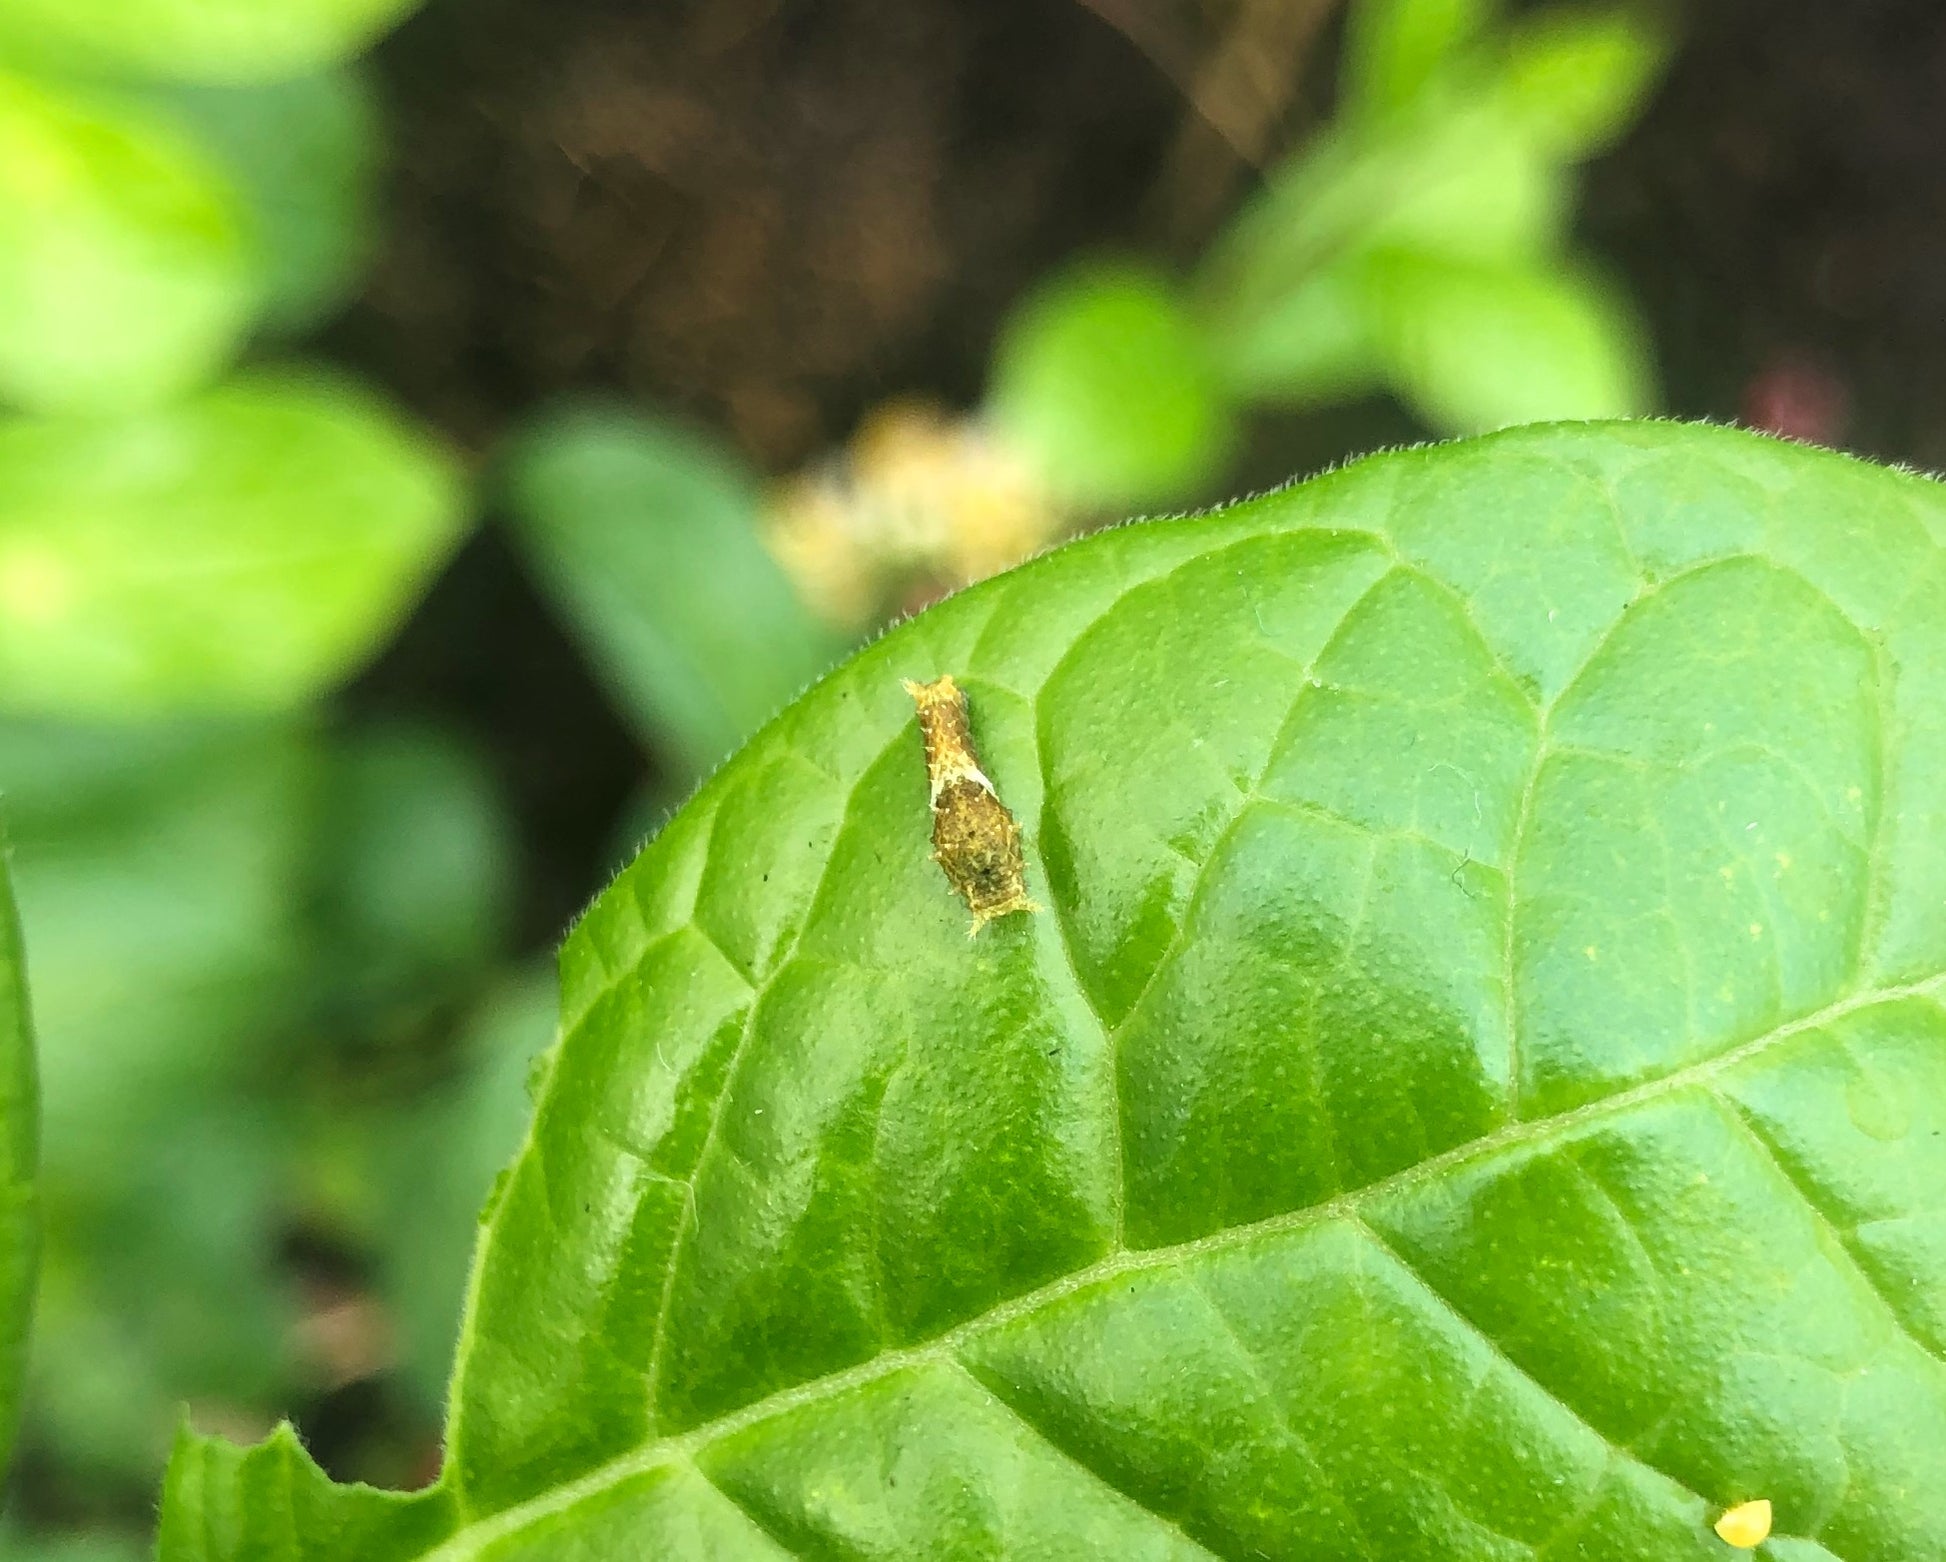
[
  {"x": 1590, "y": 952},
  {"x": 1747, "y": 1525},
  {"x": 1783, "y": 862},
  {"x": 1756, "y": 930}
]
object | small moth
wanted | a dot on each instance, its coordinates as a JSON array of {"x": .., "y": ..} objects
[
  {"x": 975, "y": 840},
  {"x": 1747, "y": 1525}
]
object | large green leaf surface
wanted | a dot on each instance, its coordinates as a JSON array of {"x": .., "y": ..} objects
[{"x": 1478, "y": 1089}]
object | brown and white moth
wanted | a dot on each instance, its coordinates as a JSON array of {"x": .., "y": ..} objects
[{"x": 975, "y": 840}]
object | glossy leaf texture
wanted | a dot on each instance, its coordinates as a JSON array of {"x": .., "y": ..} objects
[
  {"x": 19, "y": 1141},
  {"x": 1478, "y": 1089}
]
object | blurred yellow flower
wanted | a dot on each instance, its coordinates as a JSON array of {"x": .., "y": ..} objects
[{"x": 920, "y": 503}]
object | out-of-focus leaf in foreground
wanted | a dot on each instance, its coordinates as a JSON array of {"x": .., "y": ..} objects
[
  {"x": 127, "y": 272},
  {"x": 215, "y": 41},
  {"x": 20, "y": 1231},
  {"x": 241, "y": 550},
  {"x": 223, "y": 914},
  {"x": 1478, "y": 1087},
  {"x": 1395, "y": 50},
  {"x": 646, "y": 535},
  {"x": 162, "y": 874},
  {"x": 304, "y": 155}
]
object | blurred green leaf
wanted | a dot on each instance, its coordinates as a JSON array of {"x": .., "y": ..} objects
[
  {"x": 1394, "y": 49},
  {"x": 137, "y": 1276},
  {"x": 162, "y": 881},
  {"x": 200, "y": 898},
  {"x": 438, "y": 1162},
  {"x": 416, "y": 878},
  {"x": 1577, "y": 76},
  {"x": 304, "y": 154},
  {"x": 1467, "y": 181},
  {"x": 1479, "y": 347},
  {"x": 646, "y": 535},
  {"x": 216, "y": 41},
  {"x": 242, "y": 550},
  {"x": 1102, "y": 379},
  {"x": 126, "y": 271},
  {"x": 20, "y": 1230},
  {"x": 1318, "y": 342},
  {"x": 1456, "y": 147},
  {"x": 160, "y": 873},
  {"x": 92, "y": 1545}
]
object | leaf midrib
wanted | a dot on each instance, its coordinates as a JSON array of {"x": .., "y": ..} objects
[{"x": 943, "y": 1348}]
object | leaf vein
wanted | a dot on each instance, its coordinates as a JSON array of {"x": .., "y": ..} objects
[
  {"x": 943, "y": 1347},
  {"x": 1088, "y": 1468},
  {"x": 1829, "y": 1224}
]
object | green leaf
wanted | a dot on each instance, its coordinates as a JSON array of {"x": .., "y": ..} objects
[
  {"x": 646, "y": 535},
  {"x": 1103, "y": 382},
  {"x": 1474, "y": 347},
  {"x": 243, "y": 550},
  {"x": 1465, "y": 179},
  {"x": 162, "y": 874},
  {"x": 126, "y": 272},
  {"x": 223, "y": 42},
  {"x": 1395, "y": 49},
  {"x": 304, "y": 155},
  {"x": 72, "y": 1546},
  {"x": 1318, "y": 342},
  {"x": 1577, "y": 76},
  {"x": 416, "y": 898},
  {"x": 438, "y": 1163},
  {"x": 1453, "y": 148},
  {"x": 20, "y": 1229},
  {"x": 1478, "y": 1089}
]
